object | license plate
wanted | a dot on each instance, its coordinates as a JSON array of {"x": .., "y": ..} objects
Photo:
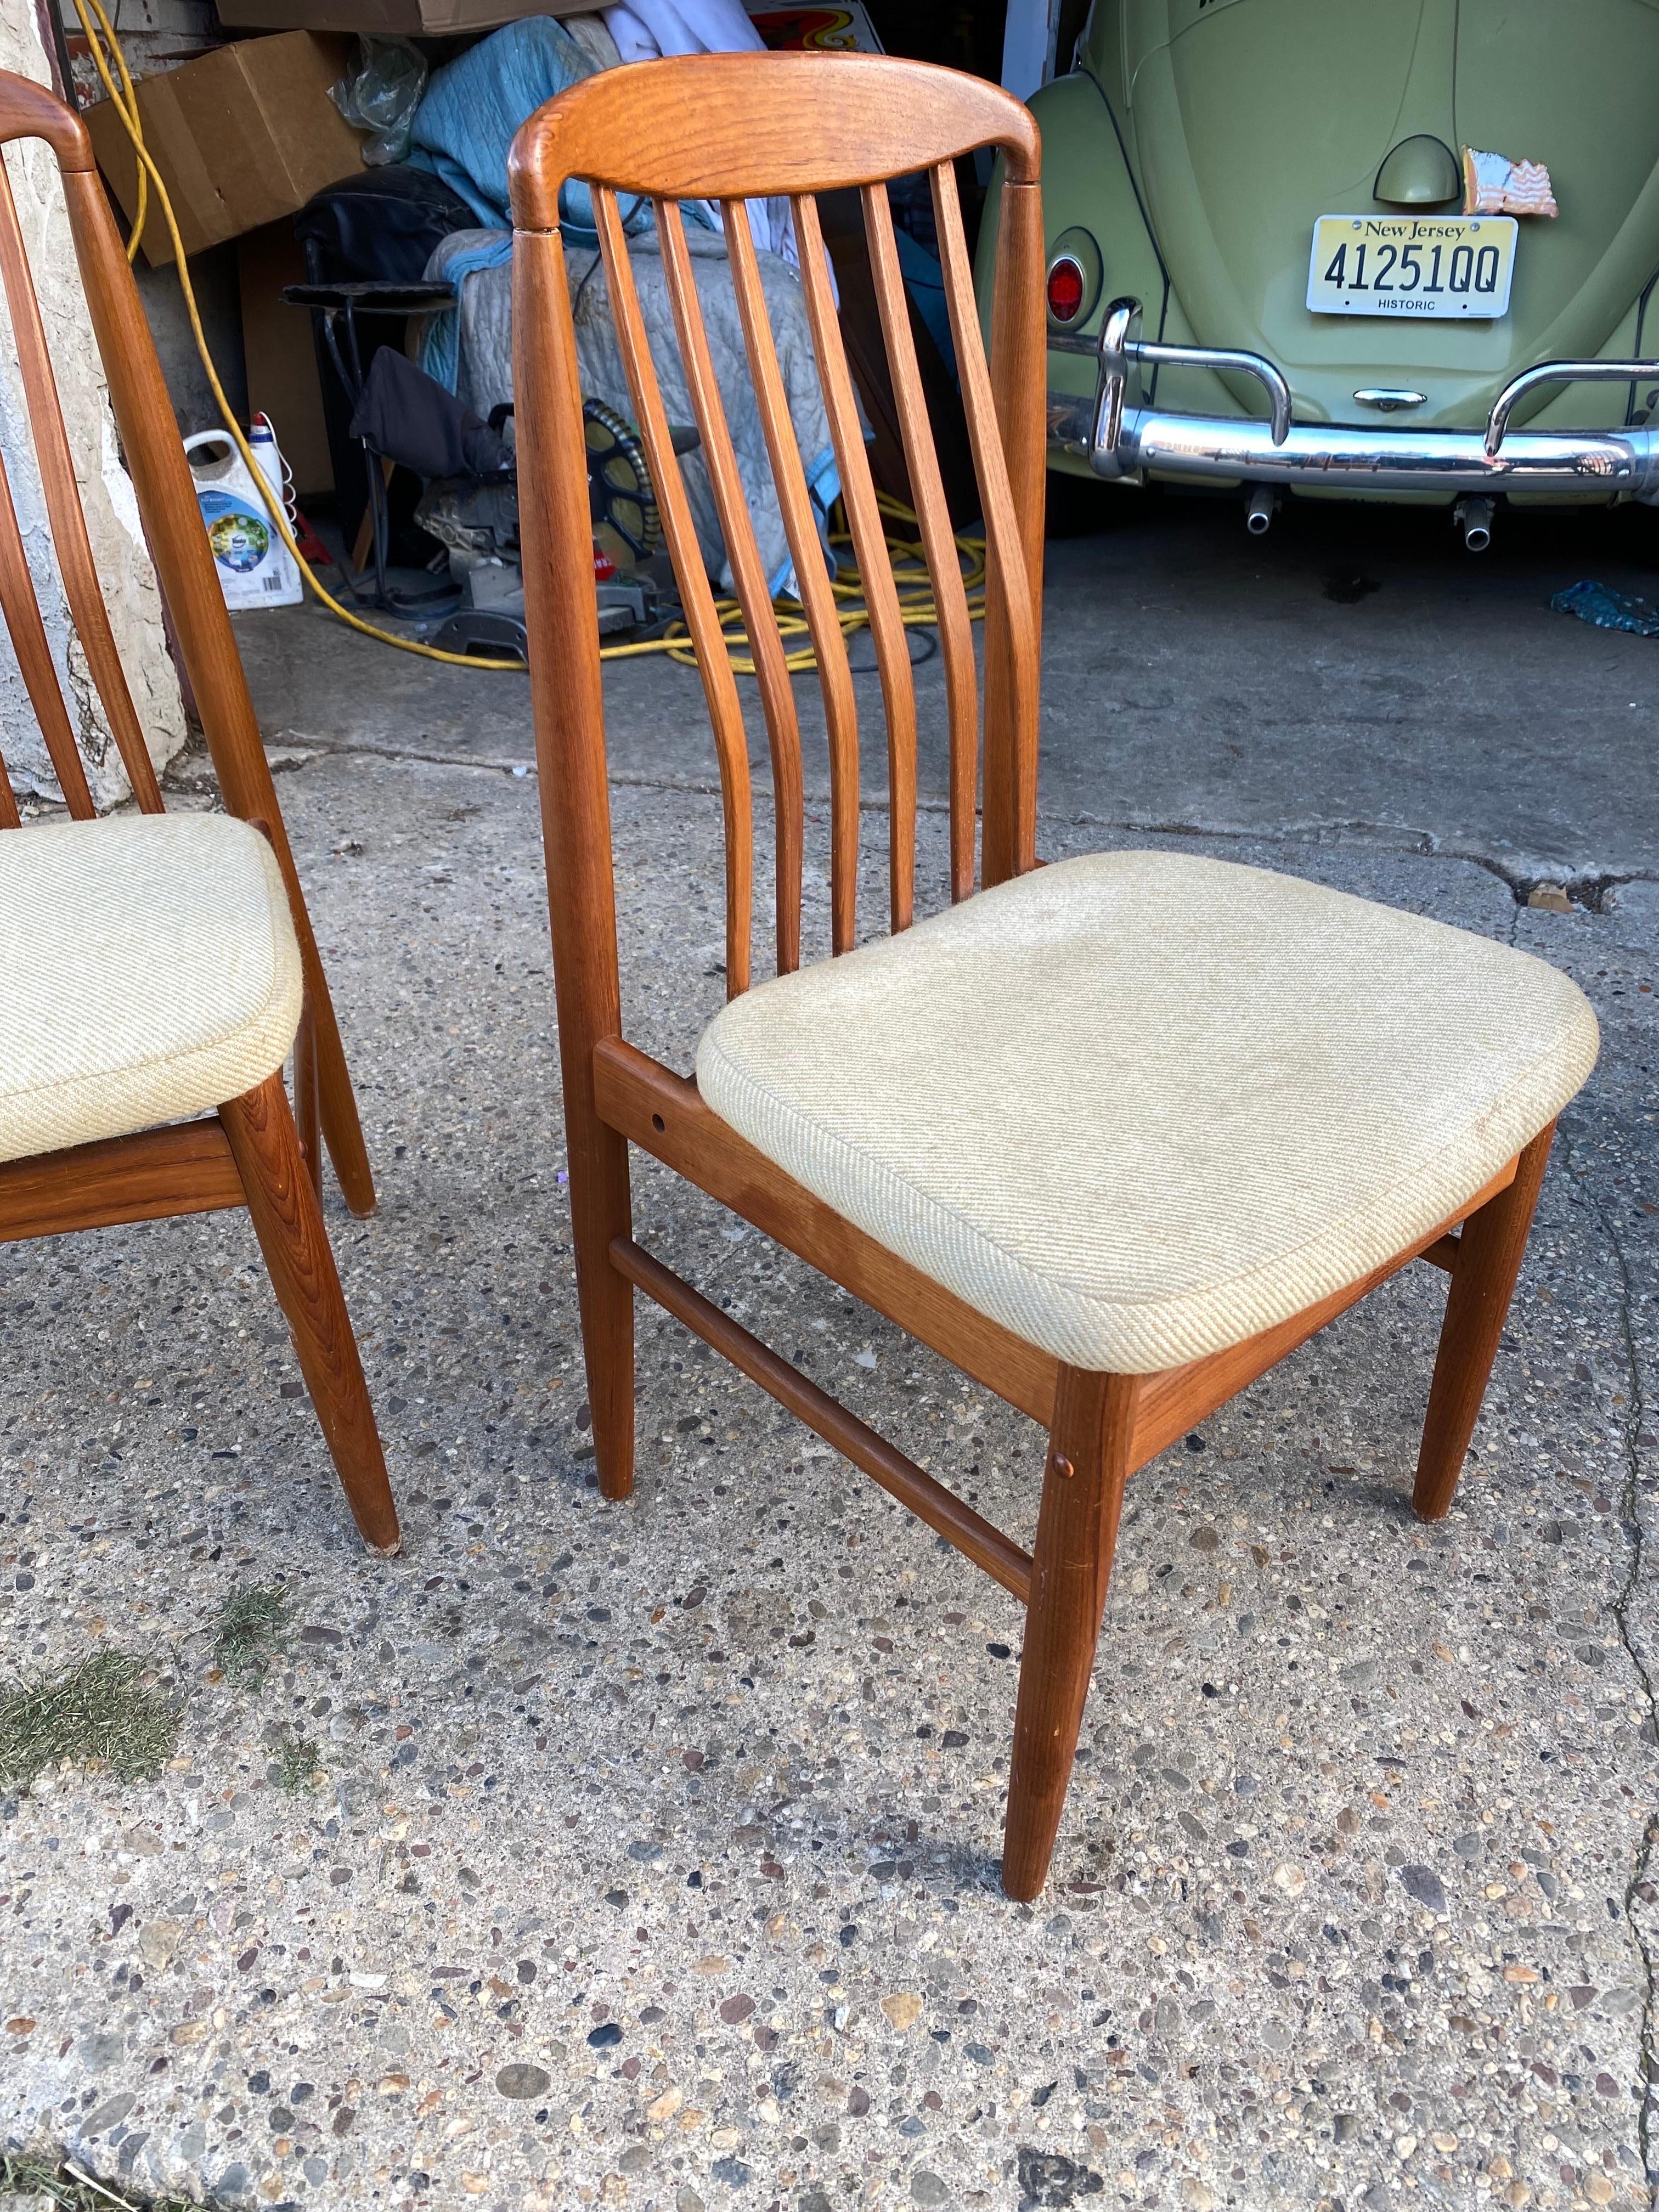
[{"x": 1437, "y": 265}]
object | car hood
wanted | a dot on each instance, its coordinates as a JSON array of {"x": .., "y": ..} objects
[{"x": 1249, "y": 118}]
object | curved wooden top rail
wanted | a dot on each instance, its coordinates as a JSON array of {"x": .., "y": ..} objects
[
  {"x": 29, "y": 110},
  {"x": 792, "y": 122}
]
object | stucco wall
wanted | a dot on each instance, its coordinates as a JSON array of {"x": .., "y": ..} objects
[{"x": 118, "y": 545}]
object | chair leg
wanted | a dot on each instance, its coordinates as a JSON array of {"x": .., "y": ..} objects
[
  {"x": 342, "y": 1128},
  {"x": 288, "y": 1223},
  {"x": 319, "y": 1032},
  {"x": 601, "y": 1208},
  {"x": 307, "y": 1097},
  {"x": 1490, "y": 1249},
  {"x": 1077, "y": 1532}
]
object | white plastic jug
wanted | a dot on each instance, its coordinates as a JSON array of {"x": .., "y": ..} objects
[{"x": 256, "y": 570}]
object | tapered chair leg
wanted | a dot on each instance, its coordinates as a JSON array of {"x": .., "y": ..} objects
[
  {"x": 288, "y": 1223},
  {"x": 1077, "y": 1533},
  {"x": 601, "y": 1208},
  {"x": 1489, "y": 1249},
  {"x": 343, "y": 1128},
  {"x": 307, "y": 1097},
  {"x": 320, "y": 1063}
]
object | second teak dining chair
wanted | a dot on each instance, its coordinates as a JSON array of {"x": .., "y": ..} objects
[
  {"x": 1115, "y": 1135},
  {"x": 159, "y": 967}
]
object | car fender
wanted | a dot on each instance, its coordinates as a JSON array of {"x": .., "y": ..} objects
[{"x": 1087, "y": 184}]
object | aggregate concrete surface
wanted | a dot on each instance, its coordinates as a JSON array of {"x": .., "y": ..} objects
[{"x": 653, "y": 1861}]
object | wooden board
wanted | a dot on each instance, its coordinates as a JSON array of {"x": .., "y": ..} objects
[{"x": 282, "y": 378}]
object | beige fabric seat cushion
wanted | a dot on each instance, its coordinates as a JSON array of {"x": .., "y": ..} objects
[
  {"x": 149, "y": 971},
  {"x": 1138, "y": 1106}
]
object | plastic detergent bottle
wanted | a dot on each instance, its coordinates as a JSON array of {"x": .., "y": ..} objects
[{"x": 255, "y": 568}]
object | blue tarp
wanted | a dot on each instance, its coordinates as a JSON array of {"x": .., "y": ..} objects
[
  {"x": 465, "y": 124},
  {"x": 1607, "y": 609}
]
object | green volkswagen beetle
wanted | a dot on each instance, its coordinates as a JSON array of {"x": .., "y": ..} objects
[{"x": 1356, "y": 249}]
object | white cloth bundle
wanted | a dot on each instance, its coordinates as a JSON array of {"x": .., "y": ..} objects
[{"x": 644, "y": 30}]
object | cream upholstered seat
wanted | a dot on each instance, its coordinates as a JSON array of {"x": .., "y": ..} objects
[
  {"x": 151, "y": 972},
  {"x": 1138, "y": 1106}
]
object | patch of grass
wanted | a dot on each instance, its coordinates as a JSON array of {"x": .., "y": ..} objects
[
  {"x": 95, "y": 1710},
  {"x": 252, "y": 1630},
  {"x": 64, "y": 2184},
  {"x": 297, "y": 1765}
]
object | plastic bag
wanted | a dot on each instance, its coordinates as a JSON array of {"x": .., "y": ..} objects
[{"x": 382, "y": 97}]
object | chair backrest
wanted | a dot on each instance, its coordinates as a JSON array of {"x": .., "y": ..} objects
[
  {"x": 728, "y": 128},
  {"x": 166, "y": 499}
]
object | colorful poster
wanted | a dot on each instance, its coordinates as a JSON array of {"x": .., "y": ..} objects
[{"x": 836, "y": 30}]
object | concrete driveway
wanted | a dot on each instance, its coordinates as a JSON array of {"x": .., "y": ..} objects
[
  {"x": 649, "y": 1857},
  {"x": 1354, "y": 675}
]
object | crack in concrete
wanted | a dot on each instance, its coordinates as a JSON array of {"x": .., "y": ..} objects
[
  {"x": 1587, "y": 885},
  {"x": 330, "y": 749},
  {"x": 1630, "y": 1505}
]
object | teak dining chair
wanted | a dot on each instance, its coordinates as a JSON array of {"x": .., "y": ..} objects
[
  {"x": 159, "y": 967},
  {"x": 1115, "y": 1135}
]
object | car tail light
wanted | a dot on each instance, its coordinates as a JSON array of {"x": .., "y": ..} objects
[{"x": 1066, "y": 286}]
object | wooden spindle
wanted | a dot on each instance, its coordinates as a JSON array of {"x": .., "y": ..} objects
[
  {"x": 64, "y": 510},
  {"x": 28, "y": 632},
  {"x": 880, "y": 592},
  {"x": 719, "y": 684},
  {"x": 1020, "y": 386},
  {"x": 938, "y": 539},
  {"x": 1010, "y": 640},
  {"x": 812, "y": 577},
  {"x": 748, "y": 576},
  {"x": 10, "y": 818}
]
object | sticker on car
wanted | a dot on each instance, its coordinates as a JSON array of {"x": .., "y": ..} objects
[{"x": 1450, "y": 267}]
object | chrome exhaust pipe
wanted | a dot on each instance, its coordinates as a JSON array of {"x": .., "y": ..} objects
[
  {"x": 1259, "y": 509},
  {"x": 1473, "y": 519}
]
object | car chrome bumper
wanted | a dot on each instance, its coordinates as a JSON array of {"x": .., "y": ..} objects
[{"x": 1123, "y": 440}]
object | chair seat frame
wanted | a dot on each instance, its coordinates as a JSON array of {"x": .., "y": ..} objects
[
  {"x": 729, "y": 128},
  {"x": 1101, "y": 1429}
]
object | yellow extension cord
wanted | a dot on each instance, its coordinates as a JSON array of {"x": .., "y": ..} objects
[{"x": 909, "y": 559}]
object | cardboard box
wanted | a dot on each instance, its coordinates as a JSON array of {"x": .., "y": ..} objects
[
  {"x": 242, "y": 136},
  {"x": 410, "y": 19}
]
